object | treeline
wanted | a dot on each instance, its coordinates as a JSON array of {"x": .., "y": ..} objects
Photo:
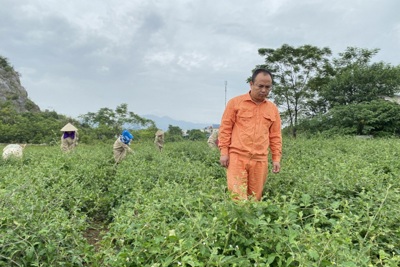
[
  {"x": 94, "y": 127},
  {"x": 317, "y": 93},
  {"x": 343, "y": 95}
]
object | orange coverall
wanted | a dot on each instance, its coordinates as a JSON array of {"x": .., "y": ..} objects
[{"x": 246, "y": 132}]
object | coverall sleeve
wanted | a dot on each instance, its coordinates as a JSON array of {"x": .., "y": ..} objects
[
  {"x": 226, "y": 127},
  {"x": 275, "y": 138}
]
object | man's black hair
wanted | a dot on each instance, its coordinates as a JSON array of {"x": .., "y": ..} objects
[{"x": 261, "y": 70}]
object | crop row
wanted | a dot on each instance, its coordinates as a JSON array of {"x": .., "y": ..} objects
[{"x": 335, "y": 203}]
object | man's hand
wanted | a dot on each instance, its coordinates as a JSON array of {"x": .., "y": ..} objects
[
  {"x": 276, "y": 167},
  {"x": 224, "y": 161}
]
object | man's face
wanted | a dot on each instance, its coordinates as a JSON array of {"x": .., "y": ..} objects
[{"x": 260, "y": 88}]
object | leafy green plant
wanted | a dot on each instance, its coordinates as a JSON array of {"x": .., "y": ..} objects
[{"x": 335, "y": 203}]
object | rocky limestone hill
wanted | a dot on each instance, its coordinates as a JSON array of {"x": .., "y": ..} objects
[{"x": 11, "y": 90}]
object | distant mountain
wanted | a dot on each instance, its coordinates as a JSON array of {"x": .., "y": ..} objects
[{"x": 164, "y": 122}]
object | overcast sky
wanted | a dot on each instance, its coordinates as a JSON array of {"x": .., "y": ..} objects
[{"x": 172, "y": 58}]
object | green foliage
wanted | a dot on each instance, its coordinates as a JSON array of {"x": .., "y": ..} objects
[
  {"x": 318, "y": 91},
  {"x": 174, "y": 130},
  {"x": 377, "y": 118},
  {"x": 30, "y": 127},
  {"x": 356, "y": 80},
  {"x": 5, "y": 64},
  {"x": 106, "y": 123},
  {"x": 196, "y": 135},
  {"x": 31, "y": 106},
  {"x": 174, "y": 134},
  {"x": 335, "y": 203},
  {"x": 147, "y": 134},
  {"x": 352, "y": 78},
  {"x": 354, "y": 56},
  {"x": 293, "y": 68},
  {"x": 44, "y": 127}
]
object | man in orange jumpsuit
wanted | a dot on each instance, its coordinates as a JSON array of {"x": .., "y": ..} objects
[{"x": 249, "y": 126}]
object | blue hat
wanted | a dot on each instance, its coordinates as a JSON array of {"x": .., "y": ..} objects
[{"x": 126, "y": 137}]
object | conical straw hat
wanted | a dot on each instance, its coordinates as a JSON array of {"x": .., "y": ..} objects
[
  {"x": 159, "y": 132},
  {"x": 69, "y": 128}
]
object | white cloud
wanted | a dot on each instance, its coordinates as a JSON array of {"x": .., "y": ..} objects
[
  {"x": 191, "y": 60},
  {"x": 103, "y": 69},
  {"x": 159, "y": 58}
]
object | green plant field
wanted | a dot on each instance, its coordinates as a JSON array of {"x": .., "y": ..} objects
[{"x": 335, "y": 203}]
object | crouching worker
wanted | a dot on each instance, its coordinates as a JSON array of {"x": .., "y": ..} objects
[
  {"x": 213, "y": 139},
  {"x": 121, "y": 146},
  {"x": 159, "y": 140},
  {"x": 13, "y": 151},
  {"x": 69, "y": 138}
]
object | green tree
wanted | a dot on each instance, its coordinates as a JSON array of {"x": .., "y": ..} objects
[
  {"x": 196, "y": 135},
  {"x": 377, "y": 118},
  {"x": 147, "y": 134},
  {"x": 355, "y": 79},
  {"x": 30, "y": 127},
  {"x": 173, "y": 134},
  {"x": 8, "y": 113},
  {"x": 293, "y": 68},
  {"x": 107, "y": 122}
]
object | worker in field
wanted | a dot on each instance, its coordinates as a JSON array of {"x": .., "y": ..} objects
[
  {"x": 213, "y": 139},
  {"x": 250, "y": 126},
  {"x": 69, "y": 137},
  {"x": 121, "y": 146},
  {"x": 159, "y": 140},
  {"x": 15, "y": 151}
]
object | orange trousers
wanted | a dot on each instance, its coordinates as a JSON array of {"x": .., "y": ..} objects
[{"x": 246, "y": 177}]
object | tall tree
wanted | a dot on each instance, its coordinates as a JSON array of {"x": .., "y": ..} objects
[
  {"x": 350, "y": 95},
  {"x": 196, "y": 134},
  {"x": 174, "y": 134},
  {"x": 355, "y": 79},
  {"x": 110, "y": 122},
  {"x": 293, "y": 68},
  {"x": 30, "y": 127},
  {"x": 377, "y": 118}
]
